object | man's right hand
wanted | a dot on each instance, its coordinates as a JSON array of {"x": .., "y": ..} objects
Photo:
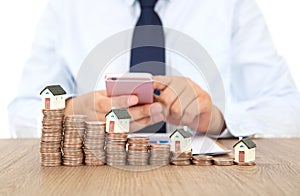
[{"x": 97, "y": 104}]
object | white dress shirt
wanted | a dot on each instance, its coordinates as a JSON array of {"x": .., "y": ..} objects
[{"x": 261, "y": 96}]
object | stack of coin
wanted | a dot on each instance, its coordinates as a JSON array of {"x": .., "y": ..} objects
[
  {"x": 116, "y": 148},
  {"x": 74, "y": 127},
  {"x": 181, "y": 158},
  {"x": 223, "y": 161},
  {"x": 50, "y": 146},
  {"x": 138, "y": 151},
  {"x": 202, "y": 160},
  {"x": 160, "y": 154},
  {"x": 93, "y": 147}
]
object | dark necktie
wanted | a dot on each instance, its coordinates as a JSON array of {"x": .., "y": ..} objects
[{"x": 148, "y": 52}]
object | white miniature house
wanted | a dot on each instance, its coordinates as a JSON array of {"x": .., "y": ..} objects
[
  {"x": 117, "y": 121},
  {"x": 181, "y": 140},
  {"x": 53, "y": 97},
  {"x": 244, "y": 150}
]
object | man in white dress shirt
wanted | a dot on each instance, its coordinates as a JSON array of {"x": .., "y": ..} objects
[{"x": 261, "y": 96}]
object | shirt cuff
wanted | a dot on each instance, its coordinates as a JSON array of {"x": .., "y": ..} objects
[{"x": 240, "y": 123}]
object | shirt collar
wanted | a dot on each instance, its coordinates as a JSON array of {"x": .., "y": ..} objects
[{"x": 131, "y": 2}]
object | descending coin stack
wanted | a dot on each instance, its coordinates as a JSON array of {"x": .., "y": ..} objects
[
  {"x": 160, "y": 154},
  {"x": 202, "y": 160},
  {"x": 74, "y": 126},
  {"x": 94, "y": 139},
  {"x": 223, "y": 161},
  {"x": 116, "y": 148},
  {"x": 138, "y": 151},
  {"x": 181, "y": 158},
  {"x": 50, "y": 146}
]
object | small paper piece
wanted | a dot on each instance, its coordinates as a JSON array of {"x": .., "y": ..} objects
[{"x": 208, "y": 146}]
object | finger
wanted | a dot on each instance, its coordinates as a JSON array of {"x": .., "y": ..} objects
[
  {"x": 191, "y": 112},
  {"x": 171, "y": 92},
  {"x": 161, "y": 82},
  {"x": 198, "y": 106},
  {"x": 142, "y": 123},
  {"x": 124, "y": 101},
  {"x": 90, "y": 102},
  {"x": 144, "y": 111},
  {"x": 170, "y": 96},
  {"x": 173, "y": 121},
  {"x": 201, "y": 125},
  {"x": 181, "y": 103}
]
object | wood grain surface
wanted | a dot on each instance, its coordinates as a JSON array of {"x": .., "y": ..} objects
[{"x": 277, "y": 173}]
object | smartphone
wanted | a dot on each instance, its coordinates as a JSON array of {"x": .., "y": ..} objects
[{"x": 139, "y": 84}]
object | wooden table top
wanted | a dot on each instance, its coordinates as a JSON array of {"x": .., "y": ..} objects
[{"x": 277, "y": 173}]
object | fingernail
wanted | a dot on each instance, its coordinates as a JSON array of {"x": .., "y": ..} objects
[
  {"x": 156, "y": 108},
  {"x": 133, "y": 100}
]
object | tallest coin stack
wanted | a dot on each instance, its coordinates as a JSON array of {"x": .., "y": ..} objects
[{"x": 51, "y": 137}]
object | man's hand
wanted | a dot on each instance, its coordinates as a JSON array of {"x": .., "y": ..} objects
[
  {"x": 97, "y": 104},
  {"x": 185, "y": 103}
]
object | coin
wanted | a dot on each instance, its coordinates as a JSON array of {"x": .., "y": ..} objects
[
  {"x": 117, "y": 137},
  {"x": 201, "y": 163},
  {"x": 181, "y": 158},
  {"x": 72, "y": 163},
  {"x": 223, "y": 161},
  {"x": 202, "y": 157},
  {"x": 202, "y": 160},
  {"x": 181, "y": 163},
  {"x": 138, "y": 140},
  {"x": 116, "y": 163},
  {"x": 94, "y": 162},
  {"x": 183, "y": 155}
]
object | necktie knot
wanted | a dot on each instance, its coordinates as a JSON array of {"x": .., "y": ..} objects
[{"x": 147, "y": 3}]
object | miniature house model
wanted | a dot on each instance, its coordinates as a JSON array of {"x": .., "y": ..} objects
[
  {"x": 181, "y": 140},
  {"x": 53, "y": 97},
  {"x": 117, "y": 121},
  {"x": 244, "y": 150}
]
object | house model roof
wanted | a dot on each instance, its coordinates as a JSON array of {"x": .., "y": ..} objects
[
  {"x": 120, "y": 113},
  {"x": 185, "y": 134},
  {"x": 54, "y": 89},
  {"x": 248, "y": 142}
]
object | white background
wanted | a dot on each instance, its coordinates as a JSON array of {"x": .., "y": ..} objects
[{"x": 18, "y": 20}]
